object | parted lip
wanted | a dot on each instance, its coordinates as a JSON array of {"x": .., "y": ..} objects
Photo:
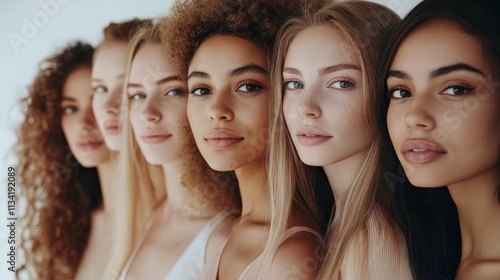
[
  {"x": 311, "y": 131},
  {"x": 221, "y": 133},
  {"x": 421, "y": 145},
  {"x": 89, "y": 142}
]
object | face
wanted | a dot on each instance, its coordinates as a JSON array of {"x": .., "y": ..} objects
[
  {"x": 228, "y": 102},
  {"x": 78, "y": 122},
  {"x": 444, "y": 114},
  {"x": 107, "y": 81},
  {"x": 323, "y": 98},
  {"x": 158, "y": 100}
]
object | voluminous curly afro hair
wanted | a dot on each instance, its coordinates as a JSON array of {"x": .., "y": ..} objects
[
  {"x": 59, "y": 193},
  {"x": 190, "y": 22}
]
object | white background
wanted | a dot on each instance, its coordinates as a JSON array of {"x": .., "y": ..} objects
[{"x": 54, "y": 24}]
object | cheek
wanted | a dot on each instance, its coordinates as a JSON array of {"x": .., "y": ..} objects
[
  {"x": 289, "y": 108},
  {"x": 68, "y": 126},
  {"x": 97, "y": 106}
]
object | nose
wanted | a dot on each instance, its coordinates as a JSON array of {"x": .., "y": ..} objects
[
  {"x": 418, "y": 115},
  {"x": 220, "y": 107},
  {"x": 150, "y": 113},
  {"x": 308, "y": 106},
  {"x": 112, "y": 103}
]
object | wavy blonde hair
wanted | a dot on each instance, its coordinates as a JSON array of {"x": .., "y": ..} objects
[
  {"x": 142, "y": 184},
  {"x": 367, "y": 26}
]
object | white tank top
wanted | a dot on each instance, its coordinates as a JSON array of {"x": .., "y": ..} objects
[{"x": 191, "y": 262}]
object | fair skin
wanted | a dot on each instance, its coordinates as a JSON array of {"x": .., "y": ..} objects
[
  {"x": 107, "y": 79},
  {"x": 322, "y": 105},
  {"x": 227, "y": 110},
  {"x": 158, "y": 100},
  {"x": 443, "y": 122},
  {"x": 86, "y": 144}
]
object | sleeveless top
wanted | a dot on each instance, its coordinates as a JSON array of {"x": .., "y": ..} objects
[
  {"x": 190, "y": 263},
  {"x": 258, "y": 268}
]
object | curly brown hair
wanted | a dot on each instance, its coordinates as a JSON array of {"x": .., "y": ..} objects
[
  {"x": 59, "y": 193},
  {"x": 190, "y": 22}
]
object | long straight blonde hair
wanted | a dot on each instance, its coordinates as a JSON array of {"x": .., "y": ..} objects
[
  {"x": 367, "y": 27},
  {"x": 142, "y": 185}
]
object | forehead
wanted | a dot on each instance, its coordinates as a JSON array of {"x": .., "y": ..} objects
[
  {"x": 320, "y": 45},
  {"x": 151, "y": 60},
  {"x": 439, "y": 43},
  {"x": 227, "y": 51},
  {"x": 77, "y": 82},
  {"x": 110, "y": 58}
]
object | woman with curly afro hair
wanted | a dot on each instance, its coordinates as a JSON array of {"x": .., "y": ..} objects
[
  {"x": 223, "y": 49},
  {"x": 64, "y": 169}
]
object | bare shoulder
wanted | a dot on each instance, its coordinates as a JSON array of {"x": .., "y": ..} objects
[
  {"x": 298, "y": 257},
  {"x": 484, "y": 269}
]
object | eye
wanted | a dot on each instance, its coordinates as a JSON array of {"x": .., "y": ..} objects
[
  {"x": 100, "y": 89},
  {"x": 399, "y": 93},
  {"x": 137, "y": 96},
  {"x": 458, "y": 90},
  {"x": 248, "y": 88},
  {"x": 342, "y": 84},
  {"x": 293, "y": 85},
  {"x": 68, "y": 110},
  {"x": 200, "y": 91},
  {"x": 175, "y": 92}
]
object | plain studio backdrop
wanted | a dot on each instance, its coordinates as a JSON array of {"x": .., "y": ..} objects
[{"x": 32, "y": 30}]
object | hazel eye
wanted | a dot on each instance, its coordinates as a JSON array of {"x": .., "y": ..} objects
[{"x": 293, "y": 85}]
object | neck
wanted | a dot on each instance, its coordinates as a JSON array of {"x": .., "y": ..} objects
[
  {"x": 179, "y": 199},
  {"x": 106, "y": 171},
  {"x": 252, "y": 180},
  {"x": 341, "y": 174},
  {"x": 479, "y": 215}
]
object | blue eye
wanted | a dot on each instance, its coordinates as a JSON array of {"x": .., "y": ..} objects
[
  {"x": 293, "y": 85},
  {"x": 457, "y": 90},
  {"x": 200, "y": 91},
  {"x": 343, "y": 84},
  {"x": 100, "y": 89},
  {"x": 137, "y": 96},
  {"x": 68, "y": 110},
  {"x": 399, "y": 93}
]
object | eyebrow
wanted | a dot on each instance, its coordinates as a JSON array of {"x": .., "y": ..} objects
[
  {"x": 325, "y": 70},
  {"x": 66, "y": 98},
  {"x": 455, "y": 67},
  {"x": 438, "y": 72},
  {"x": 164, "y": 80},
  {"x": 249, "y": 68},
  {"x": 100, "y": 80}
]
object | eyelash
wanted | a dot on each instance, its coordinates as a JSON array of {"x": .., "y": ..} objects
[
  {"x": 257, "y": 87},
  {"x": 74, "y": 109},
  {"x": 289, "y": 82},
  {"x": 351, "y": 84},
  {"x": 468, "y": 89},
  {"x": 390, "y": 92},
  {"x": 96, "y": 89}
]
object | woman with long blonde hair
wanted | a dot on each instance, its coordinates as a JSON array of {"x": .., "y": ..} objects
[
  {"x": 325, "y": 66},
  {"x": 172, "y": 207}
]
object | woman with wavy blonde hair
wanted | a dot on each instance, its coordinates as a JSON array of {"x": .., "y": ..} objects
[
  {"x": 64, "y": 169},
  {"x": 324, "y": 70},
  {"x": 167, "y": 234}
]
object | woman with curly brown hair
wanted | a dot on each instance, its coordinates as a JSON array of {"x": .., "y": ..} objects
[
  {"x": 164, "y": 235},
  {"x": 64, "y": 170},
  {"x": 223, "y": 49}
]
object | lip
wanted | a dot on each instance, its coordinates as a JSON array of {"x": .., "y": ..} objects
[
  {"x": 155, "y": 136},
  {"x": 421, "y": 151},
  {"x": 111, "y": 127},
  {"x": 221, "y": 139},
  {"x": 310, "y": 136},
  {"x": 89, "y": 144}
]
